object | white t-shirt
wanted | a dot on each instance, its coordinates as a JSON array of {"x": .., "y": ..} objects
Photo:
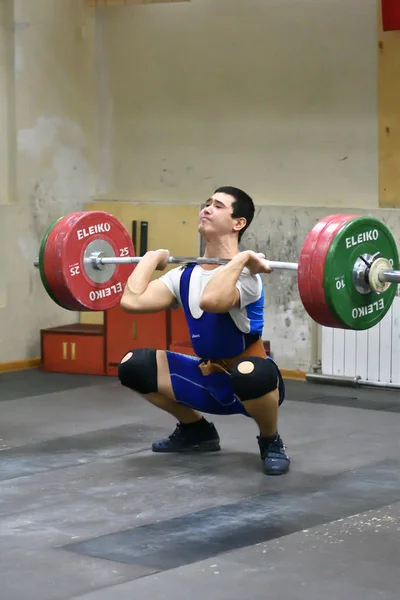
[{"x": 249, "y": 285}]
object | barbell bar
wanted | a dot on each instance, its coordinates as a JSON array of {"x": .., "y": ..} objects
[
  {"x": 182, "y": 260},
  {"x": 345, "y": 271},
  {"x": 383, "y": 276},
  {"x": 389, "y": 276},
  {"x": 96, "y": 261}
]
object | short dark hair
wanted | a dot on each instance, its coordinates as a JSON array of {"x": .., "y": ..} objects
[{"x": 243, "y": 205}]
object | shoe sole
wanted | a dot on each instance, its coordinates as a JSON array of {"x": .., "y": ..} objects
[
  {"x": 203, "y": 447},
  {"x": 276, "y": 473}
]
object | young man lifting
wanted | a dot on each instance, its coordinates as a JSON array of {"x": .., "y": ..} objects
[{"x": 223, "y": 305}]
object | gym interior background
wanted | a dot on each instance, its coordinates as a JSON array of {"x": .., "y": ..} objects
[
  {"x": 114, "y": 103},
  {"x": 142, "y": 109}
]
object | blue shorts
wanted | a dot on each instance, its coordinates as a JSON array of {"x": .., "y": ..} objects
[{"x": 207, "y": 393}]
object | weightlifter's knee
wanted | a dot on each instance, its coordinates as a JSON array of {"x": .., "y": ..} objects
[
  {"x": 254, "y": 377},
  {"x": 138, "y": 370}
]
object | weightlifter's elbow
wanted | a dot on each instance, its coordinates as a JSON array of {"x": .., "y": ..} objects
[
  {"x": 130, "y": 302},
  {"x": 143, "y": 304},
  {"x": 127, "y": 305}
]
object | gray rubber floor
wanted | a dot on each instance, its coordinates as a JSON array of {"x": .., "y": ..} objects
[{"x": 88, "y": 512}]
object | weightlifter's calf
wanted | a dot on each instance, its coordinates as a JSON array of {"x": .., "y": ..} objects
[{"x": 176, "y": 384}]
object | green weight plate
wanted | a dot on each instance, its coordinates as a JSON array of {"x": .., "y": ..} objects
[
  {"x": 360, "y": 236},
  {"x": 41, "y": 263}
]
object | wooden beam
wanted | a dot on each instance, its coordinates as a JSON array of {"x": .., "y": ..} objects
[
  {"x": 20, "y": 365},
  {"x": 388, "y": 115}
]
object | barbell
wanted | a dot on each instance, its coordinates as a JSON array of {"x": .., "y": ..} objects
[{"x": 346, "y": 267}]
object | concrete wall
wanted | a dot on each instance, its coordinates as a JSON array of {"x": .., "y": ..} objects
[
  {"x": 49, "y": 72},
  {"x": 164, "y": 102}
]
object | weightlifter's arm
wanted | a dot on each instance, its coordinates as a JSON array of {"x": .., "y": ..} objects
[
  {"x": 221, "y": 293},
  {"x": 142, "y": 295}
]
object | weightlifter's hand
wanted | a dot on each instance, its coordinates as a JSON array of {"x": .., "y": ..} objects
[
  {"x": 257, "y": 262},
  {"x": 163, "y": 255}
]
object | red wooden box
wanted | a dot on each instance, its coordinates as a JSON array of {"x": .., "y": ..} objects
[
  {"x": 179, "y": 331},
  {"x": 76, "y": 348},
  {"x": 127, "y": 331}
]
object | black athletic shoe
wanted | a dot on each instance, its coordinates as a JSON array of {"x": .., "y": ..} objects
[
  {"x": 200, "y": 436},
  {"x": 273, "y": 455}
]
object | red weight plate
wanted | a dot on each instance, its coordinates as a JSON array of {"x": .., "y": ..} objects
[
  {"x": 50, "y": 261},
  {"x": 41, "y": 263},
  {"x": 325, "y": 239},
  {"x": 79, "y": 285},
  {"x": 311, "y": 269},
  {"x": 304, "y": 272},
  {"x": 317, "y": 305},
  {"x": 93, "y": 230}
]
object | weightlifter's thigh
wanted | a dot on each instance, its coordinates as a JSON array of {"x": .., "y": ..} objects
[
  {"x": 146, "y": 370},
  {"x": 211, "y": 394},
  {"x": 178, "y": 377}
]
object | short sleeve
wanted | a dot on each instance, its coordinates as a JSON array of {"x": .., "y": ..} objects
[
  {"x": 250, "y": 287},
  {"x": 172, "y": 280}
]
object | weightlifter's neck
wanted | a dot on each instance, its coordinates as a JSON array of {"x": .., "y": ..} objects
[{"x": 220, "y": 248}]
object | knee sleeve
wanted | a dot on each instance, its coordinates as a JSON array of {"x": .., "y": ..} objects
[
  {"x": 139, "y": 371},
  {"x": 253, "y": 377}
]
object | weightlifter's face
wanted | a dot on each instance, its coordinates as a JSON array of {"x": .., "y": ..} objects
[{"x": 216, "y": 217}]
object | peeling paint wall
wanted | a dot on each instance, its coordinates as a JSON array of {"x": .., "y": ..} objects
[
  {"x": 279, "y": 234},
  {"x": 52, "y": 69}
]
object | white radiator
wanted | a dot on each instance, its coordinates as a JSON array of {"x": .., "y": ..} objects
[{"x": 373, "y": 354}]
